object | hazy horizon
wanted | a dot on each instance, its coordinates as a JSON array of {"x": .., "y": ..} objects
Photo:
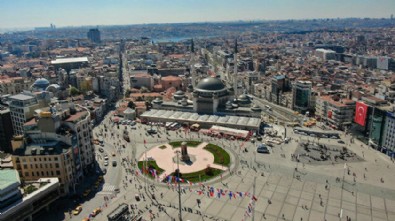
[{"x": 24, "y": 14}]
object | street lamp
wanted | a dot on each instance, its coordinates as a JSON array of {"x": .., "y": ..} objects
[{"x": 178, "y": 182}]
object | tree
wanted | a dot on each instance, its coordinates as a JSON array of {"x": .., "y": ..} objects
[
  {"x": 131, "y": 105},
  {"x": 144, "y": 90},
  {"x": 85, "y": 86},
  {"x": 128, "y": 92},
  {"x": 74, "y": 91}
]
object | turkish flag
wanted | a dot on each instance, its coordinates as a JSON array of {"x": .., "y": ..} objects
[
  {"x": 361, "y": 111},
  {"x": 330, "y": 114}
]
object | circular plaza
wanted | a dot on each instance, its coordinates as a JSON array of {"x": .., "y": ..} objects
[{"x": 197, "y": 161}]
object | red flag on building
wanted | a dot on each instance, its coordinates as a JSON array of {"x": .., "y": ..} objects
[
  {"x": 361, "y": 111},
  {"x": 330, "y": 114}
]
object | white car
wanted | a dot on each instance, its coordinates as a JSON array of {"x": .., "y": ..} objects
[{"x": 106, "y": 163}]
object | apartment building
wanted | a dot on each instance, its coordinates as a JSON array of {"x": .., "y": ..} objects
[
  {"x": 338, "y": 113},
  {"x": 56, "y": 143}
]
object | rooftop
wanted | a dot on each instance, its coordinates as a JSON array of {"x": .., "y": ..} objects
[
  {"x": 76, "y": 116},
  {"x": 69, "y": 60},
  {"x": 8, "y": 177},
  {"x": 48, "y": 148},
  {"x": 22, "y": 97},
  {"x": 203, "y": 118}
]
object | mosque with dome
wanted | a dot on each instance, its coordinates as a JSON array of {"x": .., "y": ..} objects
[{"x": 43, "y": 85}]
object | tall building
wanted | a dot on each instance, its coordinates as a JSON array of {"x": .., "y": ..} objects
[
  {"x": 388, "y": 141},
  {"x": 94, "y": 35},
  {"x": 280, "y": 84},
  {"x": 22, "y": 107},
  {"x": 302, "y": 96},
  {"x": 57, "y": 143},
  {"x": 6, "y": 132}
]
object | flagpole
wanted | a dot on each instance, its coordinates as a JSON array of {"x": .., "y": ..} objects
[
  {"x": 179, "y": 186},
  {"x": 253, "y": 195},
  {"x": 146, "y": 162}
]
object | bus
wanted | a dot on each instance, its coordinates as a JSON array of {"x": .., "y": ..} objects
[{"x": 121, "y": 213}]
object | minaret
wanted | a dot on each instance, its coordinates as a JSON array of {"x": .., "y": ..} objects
[
  {"x": 192, "y": 64},
  {"x": 235, "y": 71}
]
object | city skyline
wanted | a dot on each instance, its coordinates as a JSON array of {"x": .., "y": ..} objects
[{"x": 120, "y": 12}]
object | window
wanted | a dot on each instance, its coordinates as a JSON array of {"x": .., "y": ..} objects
[
  {"x": 24, "y": 166},
  {"x": 57, "y": 165},
  {"x": 58, "y": 172},
  {"x": 52, "y": 173},
  {"x": 56, "y": 158},
  {"x": 26, "y": 173}
]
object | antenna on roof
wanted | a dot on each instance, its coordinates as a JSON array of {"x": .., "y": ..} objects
[
  {"x": 235, "y": 49},
  {"x": 192, "y": 46}
]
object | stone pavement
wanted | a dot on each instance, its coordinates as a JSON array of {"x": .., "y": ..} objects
[{"x": 296, "y": 199}]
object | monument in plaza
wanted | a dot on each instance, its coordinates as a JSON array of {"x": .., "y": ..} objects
[{"x": 184, "y": 152}]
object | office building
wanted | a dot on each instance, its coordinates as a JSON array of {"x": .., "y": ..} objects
[
  {"x": 280, "y": 84},
  {"x": 94, "y": 35},
  {"x": 388, "y": 141},
  {"x": 6, "y": 131},
  {"x": 37, "y": 195},
  {"x": 22, "y": 107},
  {"x": 302, "y": 96}
]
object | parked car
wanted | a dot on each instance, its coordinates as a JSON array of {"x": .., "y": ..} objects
[
  {"x": 95, "y": 212},
  {"x": 77, "y": 210},
  {"x": 340, "y": 141},
  {"x": 101, "y": 150},
  {"x": 114, "y": 163},
  {"x": 262, "y": 149},
  {"x": 151, "y": 131},
  {"x": 106, "y": 163}
]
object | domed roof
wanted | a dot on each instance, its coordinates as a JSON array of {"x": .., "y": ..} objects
[
  {"x": 157, "y": 101},
  {"x": 244, "y": 97},
  {"x": 210, "y": 84},
  {"x": 41, "y": 83},
  {"x": 179, "y": 92},
  {"x": 255, "y": 107}
]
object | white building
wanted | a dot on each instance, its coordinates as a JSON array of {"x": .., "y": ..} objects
[
  {"x": 325, "y": 54},
  {"x": 22, "y": 107}
]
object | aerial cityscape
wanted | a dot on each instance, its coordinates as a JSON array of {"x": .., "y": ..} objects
[{"x": 197, "y": 110}]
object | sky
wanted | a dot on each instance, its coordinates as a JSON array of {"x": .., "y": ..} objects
[{"x": 39, "y": 13}]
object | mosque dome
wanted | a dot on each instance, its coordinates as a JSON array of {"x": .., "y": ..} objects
[
  {"x": 41, "y": 83},
  {"x": 210, "y": 84}
]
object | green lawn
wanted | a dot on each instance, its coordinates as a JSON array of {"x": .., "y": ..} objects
[
  {"x": 221, "y": 157},
  {"x": 150, "y": 164},
  {"x": 194, "y": 177},
  {"x": 192, "y": 143}
]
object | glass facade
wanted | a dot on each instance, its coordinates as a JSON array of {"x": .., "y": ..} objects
[
  {"x": 377, "y": 126},
  {"x": 302, "y": 98}
]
